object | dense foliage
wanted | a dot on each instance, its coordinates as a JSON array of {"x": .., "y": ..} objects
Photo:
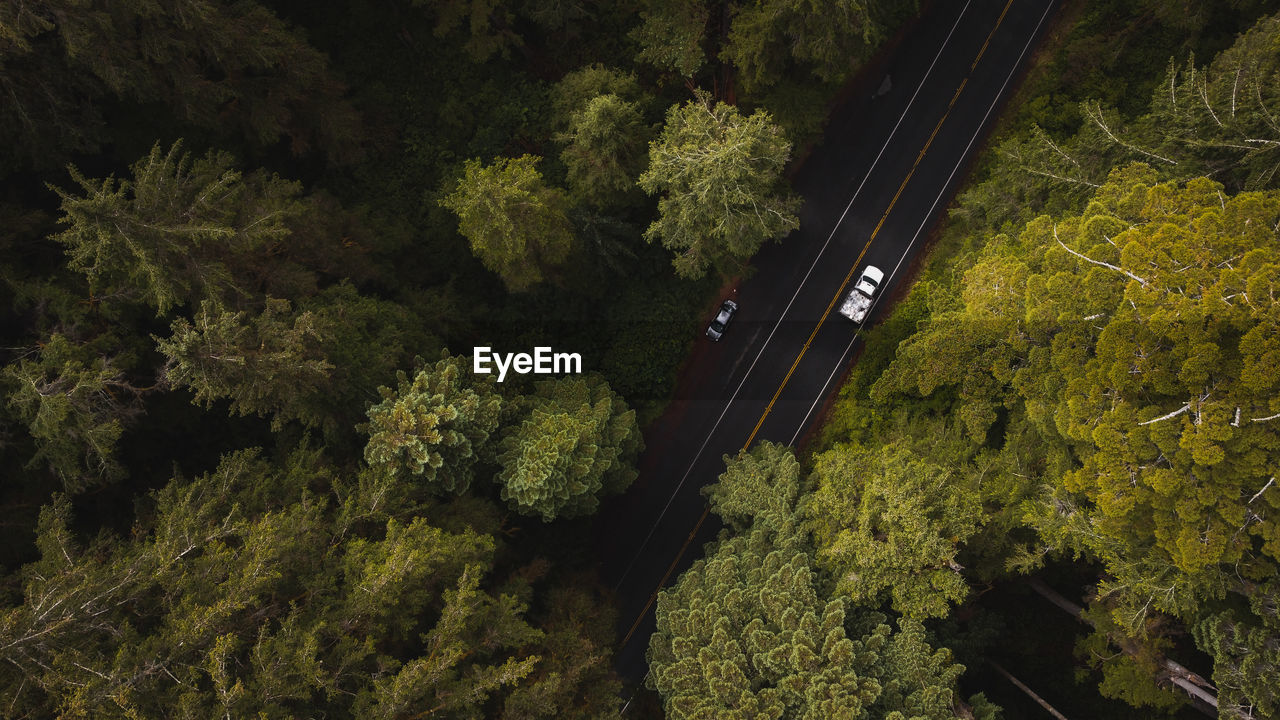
[
  {"x": 265, "y": 589},
  {"x": 242, "y": 472},
  {"x": 720, "y": 176},
  {"x": 745, "y": 632},
  {"x": 518, "y": 227},
  {"x": 1085, "y": 377}
]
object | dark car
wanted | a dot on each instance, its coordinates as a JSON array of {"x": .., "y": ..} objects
[{"x": 716, "y": 330}]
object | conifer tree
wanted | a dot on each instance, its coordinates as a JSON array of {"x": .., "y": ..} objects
[
  {"x": 1218, "y": 120},
  {"x": 761, "y": 488},
  {"x": 75, "y": 407},
  {"x": 517, "y": 226},
  {"x": 604, "y": 149},
  {"x": 887, "y": 523},
  {"x": 767, "y": 37},
  {"x": 1140, "y": 337},
  {"x": 572, "y": 92},
  {"x": 744, "y": 633},
  {"x": 671, "y": 35},
  {"x": 486, "y": 25},
  {"x": 272, "y": 363},
  {"x": 578, "y": 441},
  {"x": 1245, "y": 647},
  {"x": 1131, "y": 347},
  {"x": 64, "y": 59},
  {"x": 182, "y": 230},
  {"x": 435, "y": 426},
  {"x": 50, "y": 109},
  {"x": 574, "y": 678},
  {"x": 719, "y": 176},
  {"x": 317, "y": 363},
  {"x": 247, "y": 593}
]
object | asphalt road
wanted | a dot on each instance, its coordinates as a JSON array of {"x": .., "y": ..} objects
[{"x": 871, "y": 190}]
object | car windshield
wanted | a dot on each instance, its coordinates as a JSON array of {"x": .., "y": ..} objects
[{"x": 717, "y": 325}]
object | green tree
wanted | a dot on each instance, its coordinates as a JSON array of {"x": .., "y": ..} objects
[
  {"x": 75, "y": 406},
  {"x": 720, "y": 178},
  {"x": 485, "y": 28},
  {"x": 1130, "y": 338},
  {"x": 180, "y": 231},
  {"x": 1181, "y": 353},
  {"x": 671, "y": 35},
  {"x": 1216, "y": 121},
  {"x": 577, "y": 441},
  {"x": 574, "y": 678},
  {"x": 487, "y": 24},
  {"x": 516, "y": 225},
  {"x": 577, "y": 88},
  {"x": 604, "y": 149},
  {"x": 434, "y": 426},
  {"x": 828, "y": 39},
  {"x": 888, "y": 523},
  {"x": 1134, "y": 674},
  {"x": 365, "y": 339},
  {"x": 64, "y": 59},
  {"x": 1212, "y": 121},
  {"x": 248, "y": 592},
  {"x": 744, "y": 634},
  {"x": 272, "y": 363},
  {"x": 1123, "y": 354},
  {"x": 761, "y": 488},
  {"x": 1245, "y": 646},
  {"x": 316, "y": 363},
  {"x": 49, "y": 110}
]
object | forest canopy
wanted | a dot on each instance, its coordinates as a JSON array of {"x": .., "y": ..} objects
[
  {"x": 245, "y": 467},
  {"x": 1086, "y": 366}
]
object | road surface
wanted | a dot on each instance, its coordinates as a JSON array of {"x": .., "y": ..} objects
[{"x": 872, "y": 189}]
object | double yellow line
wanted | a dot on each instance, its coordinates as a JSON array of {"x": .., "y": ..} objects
[{"x": 830, "y": 306}]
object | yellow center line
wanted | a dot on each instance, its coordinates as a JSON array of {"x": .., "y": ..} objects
[
  {"x": 980, "y": 52},
  {"x": 840, "y": 292},
  {"x": 991, "y": 34},
  {"x": 670, "y": 569},
  {"x": 849, "y": 276}
]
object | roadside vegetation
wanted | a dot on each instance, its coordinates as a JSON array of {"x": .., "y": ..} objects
[
  {"x": 247, "y": 247},
  {"x": 1083, "y": 377},
  {"x": 247, "y": 470}
]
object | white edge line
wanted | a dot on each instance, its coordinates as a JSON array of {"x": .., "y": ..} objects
[
  {"x": 963, "y": 156},
  {"x": 783, "y": 315}
]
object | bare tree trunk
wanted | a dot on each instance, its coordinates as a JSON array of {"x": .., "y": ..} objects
[
  {"x": 1196, "y": 692},
  {"x": 1031, "y": 694},
  {"x": 1054, "y": 597},
  {"x": 1194, "y": 685}
]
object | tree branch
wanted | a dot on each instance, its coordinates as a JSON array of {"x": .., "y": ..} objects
[
  {"x": 1094, "y": 111},
  {"x": 1194, "y": 685},
  {"x": 1031, "y": 694},
  {"x": 1173, "y": 414},
  {"x": 1097, "y": 262},
  {"x": 1264, "y": 489}
]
